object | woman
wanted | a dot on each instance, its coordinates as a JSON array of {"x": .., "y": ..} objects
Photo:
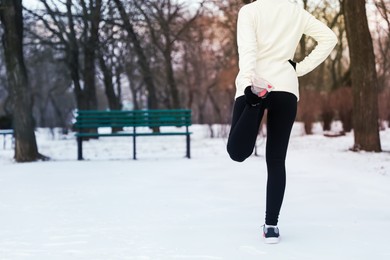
[{"x": 268, "y": 32}]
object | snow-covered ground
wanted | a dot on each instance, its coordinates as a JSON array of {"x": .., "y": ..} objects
[{"x": 166, "y": 207}]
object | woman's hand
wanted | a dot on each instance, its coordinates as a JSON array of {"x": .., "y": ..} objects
[{"x": 252, "y": 99}]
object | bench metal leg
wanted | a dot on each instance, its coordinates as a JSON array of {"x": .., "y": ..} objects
[
  {"x": 4, "y": 134},
  {"x": 188, "y": 147},
  {"x": 134, "y": 148},
  {"x": 79, "y": 148}
]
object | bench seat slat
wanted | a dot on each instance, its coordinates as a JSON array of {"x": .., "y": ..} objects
[
  {"x": 129, "y": 125},
  {"x": 130, "y": 134}
]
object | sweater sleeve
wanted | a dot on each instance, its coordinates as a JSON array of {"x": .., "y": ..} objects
[
  {"x": 326, "y": 41},
  {"x": 247, "y": 49}
]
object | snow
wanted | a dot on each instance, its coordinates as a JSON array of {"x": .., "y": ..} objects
[{"x": 164, "y": 206}]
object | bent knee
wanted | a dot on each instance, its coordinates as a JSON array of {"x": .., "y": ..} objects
[{"x": 238, "y": 157}]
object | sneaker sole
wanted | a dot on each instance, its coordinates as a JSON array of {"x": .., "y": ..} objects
[{"x": 271, "y": 240}]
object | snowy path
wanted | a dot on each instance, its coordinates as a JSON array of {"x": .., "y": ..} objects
[{"x": 337, "y": 203}]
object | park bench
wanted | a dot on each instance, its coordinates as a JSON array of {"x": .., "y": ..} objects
[
  {"x": 6, "y": 132},
  {"x": 130, "y": 121}
]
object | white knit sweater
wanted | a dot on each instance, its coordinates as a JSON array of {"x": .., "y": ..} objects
[{"x": 268, "y": 32}]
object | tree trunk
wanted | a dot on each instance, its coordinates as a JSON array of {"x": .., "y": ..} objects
[
  {"x": 90, "y": 48},
  {"x": 364, "y": 78},
  {"x": 113, "y": 100},
  {"x": 11, "y": 16},
  {"x": 174, "y": 92},
  {"x": 72, "y": 58}
]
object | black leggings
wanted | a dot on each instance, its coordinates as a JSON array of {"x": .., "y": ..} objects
[{"x": 282, "y": 109}]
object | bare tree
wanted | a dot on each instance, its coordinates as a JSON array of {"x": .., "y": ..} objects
[
  {"x": 53, "y": 100},
  {"x": 11, "y": 17},
  {"x": 4, "y": 97},
  {"x": 109, "y": 56},
  {"x": 383, "y": 41},
  {"x": 329, "y": 75},
  {"x": 364, "y": 77},
  {"x": 143, "y": 62},
  {"x": 91, "y": 20},
  {"x": 382, "y": 48},
  {"x": 167, "y": 21},
  {"x": 210, "y": 62},
  {"x": 73, "y": 29},
  {"x": 134, "y": 78}
]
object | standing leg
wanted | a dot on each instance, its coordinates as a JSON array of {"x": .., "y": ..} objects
[
  {"x": 188, "y": 145},
  {"x": 244, "y": 129},
  {"x": 281, "y": 116},
  {"x": 79, "y": 148}
]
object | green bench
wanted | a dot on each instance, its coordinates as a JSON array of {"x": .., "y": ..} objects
[{"x": 130, "y": 121}]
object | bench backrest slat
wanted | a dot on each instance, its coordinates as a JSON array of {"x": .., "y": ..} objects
[{"x": 149, "y": 118}]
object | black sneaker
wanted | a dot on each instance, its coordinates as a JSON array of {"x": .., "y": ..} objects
[{"x": 271, "y": 234}]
